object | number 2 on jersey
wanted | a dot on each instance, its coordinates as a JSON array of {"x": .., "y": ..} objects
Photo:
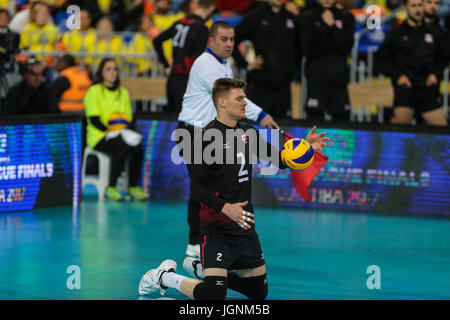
[{"x": 243, "y": 174}]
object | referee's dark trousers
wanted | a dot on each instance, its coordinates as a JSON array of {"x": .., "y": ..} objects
[{"x": 193, "y": 206}]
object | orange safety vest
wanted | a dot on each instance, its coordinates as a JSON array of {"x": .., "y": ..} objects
[{"x": 72, "y": 98}]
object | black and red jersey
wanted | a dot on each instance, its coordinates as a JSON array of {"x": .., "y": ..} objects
[
  {"x": 189, "y": 37},
  {"x": 228, "y": 178}
]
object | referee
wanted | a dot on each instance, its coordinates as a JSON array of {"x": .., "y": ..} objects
[
  {"x": 189, "y": 36},
  {"x": 198, "y": 108}
]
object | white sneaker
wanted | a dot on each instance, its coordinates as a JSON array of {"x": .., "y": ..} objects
[
  {"x": 190, "y": 265},
  {"x": 193, "y": 250},
  {"x": 151, "y": 281}
]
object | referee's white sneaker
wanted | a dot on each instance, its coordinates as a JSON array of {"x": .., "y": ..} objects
[
  {"x": 190, "y": 265},
  {"x": 151, "y": 281},
  {"x": 193, "y": 250}
]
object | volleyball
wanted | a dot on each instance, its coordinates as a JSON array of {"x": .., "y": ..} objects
[
  {"x": 118, "y": 121},
  {"x": 297, "y": 154}
]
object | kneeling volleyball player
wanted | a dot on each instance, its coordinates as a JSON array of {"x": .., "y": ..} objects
[{"x": 230, "y": 251}]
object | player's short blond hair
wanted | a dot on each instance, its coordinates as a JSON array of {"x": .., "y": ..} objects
[{"x": 222, "y": 87}]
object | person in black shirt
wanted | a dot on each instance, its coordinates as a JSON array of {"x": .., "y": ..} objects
[
  {"x": 431, "y": 10},
  {"x": 275, "y": 35},
  {"x": 31, "y": 95},
  {"x": 327, "y": 39},
  {"x": 414, "y": 56},
  {"x": 189, "y": 36},
  {"x": 223, "y": 187}
]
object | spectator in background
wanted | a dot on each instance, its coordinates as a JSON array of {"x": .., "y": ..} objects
[
  {"x": 5, "y": 18},
  {"x": 275, "y": 35},
  {"x": 189, "y": 41},
  {"x": 106, "y": 41},
  {"x": 22, "y": 18},
  {"x": 413, "y": 55},
  {"x": 110, "y": 128},
  {"x": 40, "y": 35},
  {"x": 31, "y": 95},
  {"x": 72, "y": 85},
  {"x": 327, "y": 37},
  {"x": 141, "y": 43},
  {"x": 9, "y": 41}
]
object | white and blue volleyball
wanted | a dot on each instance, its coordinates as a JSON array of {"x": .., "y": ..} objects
[{"x": 297, "y": 154}]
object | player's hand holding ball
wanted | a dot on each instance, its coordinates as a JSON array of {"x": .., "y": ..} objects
[{"x": 298, "y": 154}]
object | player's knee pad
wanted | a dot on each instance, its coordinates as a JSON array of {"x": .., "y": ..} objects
[
  {"x": 255, "y": 288},
  {"x": 212, "y": 288}
]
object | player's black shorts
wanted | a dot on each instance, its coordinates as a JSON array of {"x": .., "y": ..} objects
[
  {"x": 334, "y": 100},
  {"x": 419, "y": 98},
  {"x": 231, "y": 252}
]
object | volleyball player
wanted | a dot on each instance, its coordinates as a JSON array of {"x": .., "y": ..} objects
[
  {"x": 189, "y": 36},
  {"x": 198, "y": 108},
  {"x": 229, "y": 239}
]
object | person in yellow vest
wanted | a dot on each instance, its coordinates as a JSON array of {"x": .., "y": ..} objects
[
  {"x": 39, "y": 35},
  {"x": 110, "y": 128},
  {"x": 72, "y": 85},
  {"x": 81, "y": 40}
]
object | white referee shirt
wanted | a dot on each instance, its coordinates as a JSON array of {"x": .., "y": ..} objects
[{"x": 198, "y": 107}]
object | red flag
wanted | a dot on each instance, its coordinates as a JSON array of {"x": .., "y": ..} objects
[{"x": 302, "y": 179}]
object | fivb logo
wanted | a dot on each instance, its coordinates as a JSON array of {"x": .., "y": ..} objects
[{"x": 73, "y": 20}]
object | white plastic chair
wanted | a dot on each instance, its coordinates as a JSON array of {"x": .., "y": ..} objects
[{"x": 101, "y": 181}]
